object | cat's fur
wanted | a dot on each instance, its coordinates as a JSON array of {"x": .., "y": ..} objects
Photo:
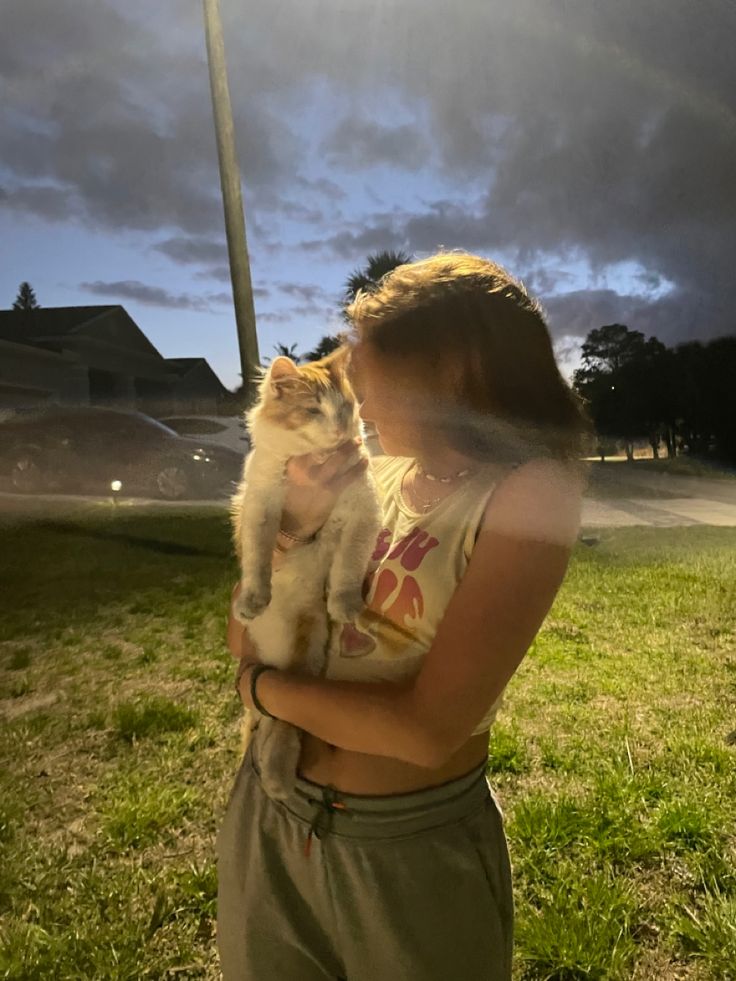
[{"x": 301, "y": 409}]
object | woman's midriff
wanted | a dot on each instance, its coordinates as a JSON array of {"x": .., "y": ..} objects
[{"x": 360, "y": 773}]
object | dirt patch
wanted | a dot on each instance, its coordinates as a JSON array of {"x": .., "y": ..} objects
[{"x": 14, "y": 708}]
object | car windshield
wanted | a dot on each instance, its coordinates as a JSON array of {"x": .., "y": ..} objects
[
  {"x": 138, "y": 419},
  {"x": 127, "y": 425},
  {"x": 196, "y": 427}
]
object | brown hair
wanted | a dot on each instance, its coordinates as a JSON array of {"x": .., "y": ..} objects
[{"x": 468, "y": 328}]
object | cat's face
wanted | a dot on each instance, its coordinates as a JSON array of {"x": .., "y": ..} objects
[{"x": 313, "y": 404}]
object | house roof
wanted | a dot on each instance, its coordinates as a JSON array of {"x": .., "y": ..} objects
[
  {"x": 46, "y": 328},
  {"x": 182, "y": 365},
  {"x": 27, "y": 326}
]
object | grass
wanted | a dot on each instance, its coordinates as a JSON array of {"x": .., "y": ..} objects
[{"x": 119, "y": 739}]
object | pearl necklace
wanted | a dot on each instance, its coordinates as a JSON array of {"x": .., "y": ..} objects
[
  {"x": 424, "y": 507},
  {"x": 443, "y": 480}
]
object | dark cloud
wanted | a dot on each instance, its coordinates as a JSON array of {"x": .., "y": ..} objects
[
  {"x": 96, "y": 104},
  {"x": 220, "y": 273},
  {"x": 445, "y": 224},
  {"x": 358, "y": 143},
  {"x": 154, "y": 296},
  {"x": 583, "y": 131},
  {"x": 673, "y": 318},
  {"x": 224, "y": 297},
  {"x": 193, "y": 249},
  {"x": 562, "y": 132},
  {"x": 45, "y": 201},
  {"x": 307, "y": 291},
  {"x": 322, "y": 187},
  {"x": 296, "y": 211},
  {"x": 275, "y": 317},
  {"x": 300, "y": 312},
  {"x": 545, "y": 280}
]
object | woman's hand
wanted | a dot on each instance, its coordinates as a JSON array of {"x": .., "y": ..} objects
[
  {"x": 243, "y": 650},
  {"x": 314, "y": 483},
  {"x": 238, "y": 641},
  {"x": 242, "y": 680}
]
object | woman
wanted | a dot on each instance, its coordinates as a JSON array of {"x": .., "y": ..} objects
[{"x": 389, "y": 860}]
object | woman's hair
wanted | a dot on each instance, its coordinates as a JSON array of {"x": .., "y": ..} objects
[{"x": 481, "y": 349}]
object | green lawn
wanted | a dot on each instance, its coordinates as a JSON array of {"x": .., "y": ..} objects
[{"x": 119, "y": 738}]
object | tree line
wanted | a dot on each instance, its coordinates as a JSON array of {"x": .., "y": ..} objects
[
  {"x": 635, "y": 388},
  {"x": 638, "y": 388}
]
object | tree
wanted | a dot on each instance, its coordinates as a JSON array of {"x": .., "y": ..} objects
[
  {"x": 26, "y": 298},
  {"x": 608, "y": 348},
  {"x": 326, "y": 345},
  {"x": 640, "y": 388},
  {"x": 625, "y": 380},
  {"x": 703, "y": 383},
  {"x": 377, "y": 265},
  {"x": 282, "y": 351}
]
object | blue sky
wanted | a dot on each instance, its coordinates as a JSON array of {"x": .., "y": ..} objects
[{"x": 589, "y": 146}]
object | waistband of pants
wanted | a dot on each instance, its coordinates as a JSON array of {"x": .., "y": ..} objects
[{"x": 323, "y": 809}]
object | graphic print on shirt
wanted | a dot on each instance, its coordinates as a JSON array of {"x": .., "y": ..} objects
[{"x": 391, "y": 592}]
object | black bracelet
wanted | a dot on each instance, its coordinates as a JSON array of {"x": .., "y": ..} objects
[
  {"x": 243, "y": 665},
  {"x": 254, "y": 675}
]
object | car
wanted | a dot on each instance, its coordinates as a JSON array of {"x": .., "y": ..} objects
[
  {"x": 228, "y": 431},
  {"x": 98, "y": 450}
]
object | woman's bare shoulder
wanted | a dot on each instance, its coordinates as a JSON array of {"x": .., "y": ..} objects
[{"x": 539, "y": 500}]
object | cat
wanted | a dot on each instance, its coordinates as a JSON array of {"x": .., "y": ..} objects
[{"x": 300, "y": 409}]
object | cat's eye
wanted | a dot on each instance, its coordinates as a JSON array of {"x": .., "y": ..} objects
[{"x": 314, "y": 411}]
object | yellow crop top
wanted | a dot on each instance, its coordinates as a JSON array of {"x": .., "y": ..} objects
[{"x": 416, "y": 566}]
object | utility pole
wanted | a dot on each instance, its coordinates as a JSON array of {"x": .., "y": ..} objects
[{"x": 232, "y": 199}]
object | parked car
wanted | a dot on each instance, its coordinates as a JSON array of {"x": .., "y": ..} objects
[
  {"x": 99, "y": 451},
  {"x": 227, "y": 431}
]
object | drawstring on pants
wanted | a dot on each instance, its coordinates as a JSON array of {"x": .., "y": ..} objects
[{"x": 322, "y": 820}]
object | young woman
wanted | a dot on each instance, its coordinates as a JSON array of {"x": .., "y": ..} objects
[{"x": 389, "y": 862}]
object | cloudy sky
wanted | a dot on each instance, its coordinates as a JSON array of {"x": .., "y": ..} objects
[{"x": 589, "y": 145}]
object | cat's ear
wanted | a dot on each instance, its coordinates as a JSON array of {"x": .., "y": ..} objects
[{"x": 282, "y": 373}]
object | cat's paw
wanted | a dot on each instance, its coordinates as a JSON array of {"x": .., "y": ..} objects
[
  {"x": 345, "y": 606},
  {"x": 251, "y": 602}
]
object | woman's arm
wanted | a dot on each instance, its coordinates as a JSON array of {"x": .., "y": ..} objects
[{"x": 515, "y": 571}]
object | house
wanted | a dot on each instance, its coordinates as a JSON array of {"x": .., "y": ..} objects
[{"x": 97, "y": 355}]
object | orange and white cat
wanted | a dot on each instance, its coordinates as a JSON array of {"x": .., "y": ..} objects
[{"x": 301, "y": 409}]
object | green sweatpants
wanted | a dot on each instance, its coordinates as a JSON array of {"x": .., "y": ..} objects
[{"x": 327, "y": 886}]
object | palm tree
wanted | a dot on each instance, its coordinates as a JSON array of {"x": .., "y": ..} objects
[
  {"x": 326, "y": 345},
  {"x": 283, "y": 351},
  {"x": 377, "y": 265}
]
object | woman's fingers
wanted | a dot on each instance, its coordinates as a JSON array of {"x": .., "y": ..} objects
[
  {"x": 238, "y": 642},
  {"x": 342, "y": 480},
  {"x": 339, "y": 463},
  {"x": 313, "y": 468},
  {"x": 235, "y": 632}
]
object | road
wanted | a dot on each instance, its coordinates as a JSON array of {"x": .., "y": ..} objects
[{"x": 619, "y": 495}]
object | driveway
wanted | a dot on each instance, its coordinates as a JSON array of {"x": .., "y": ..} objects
[{"x": 632, "y": 495}]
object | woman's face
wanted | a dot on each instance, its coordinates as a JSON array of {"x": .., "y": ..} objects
[{"x": 387, "y": 402}]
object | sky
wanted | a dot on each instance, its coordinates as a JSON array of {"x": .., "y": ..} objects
[{"x": 587, "y": 145}]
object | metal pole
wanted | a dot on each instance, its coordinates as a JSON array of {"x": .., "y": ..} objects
[{"x": 232, "y": 199}]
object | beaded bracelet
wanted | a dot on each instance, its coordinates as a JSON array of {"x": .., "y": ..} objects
[{"x": 296, "y": 538}]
